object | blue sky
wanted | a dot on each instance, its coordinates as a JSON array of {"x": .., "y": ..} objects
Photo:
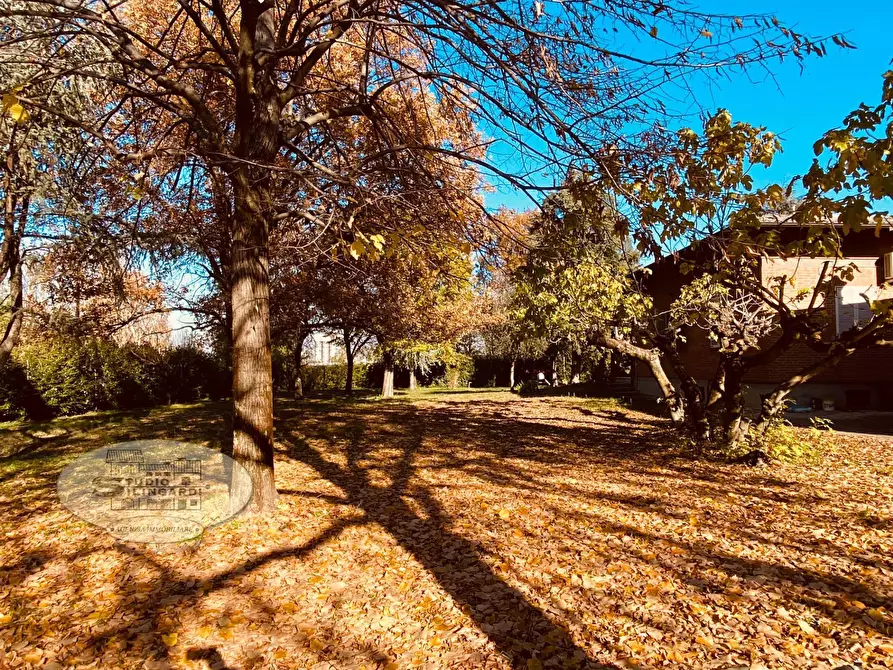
[{"x": 799, "y": 106}]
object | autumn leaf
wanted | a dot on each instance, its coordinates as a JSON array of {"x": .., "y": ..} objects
[
  {"x": 357, "y": 248},
  {"x": 805, "y": 627},
  {"x": 170, "y": 639},
  {"x": 14, "y": 108}
]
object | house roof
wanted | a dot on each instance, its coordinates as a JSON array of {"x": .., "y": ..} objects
[
  {"x": 768, "y": 221},
  {"x": 124, "y": 456}
]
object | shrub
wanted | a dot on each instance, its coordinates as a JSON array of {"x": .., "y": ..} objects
[
  {"x": 458, "y": 370},
  {"x": 18, "y": 397},
  {"x": 527, "y": 387},
  {"x": 333, "y": 377},
  {"x": 189, "y": 374},
  {"x": 54, "y": 377},
  {"x": 784, "y": 442},
  {"x": 74, "y": 377}
]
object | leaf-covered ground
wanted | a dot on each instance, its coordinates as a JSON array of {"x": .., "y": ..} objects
[{"x": 467, "y": 530}]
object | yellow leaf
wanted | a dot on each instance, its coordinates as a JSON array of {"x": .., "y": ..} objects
[
  {"x": 805, "y": 627},
  {"x": 169, "y": 640},
  {"x": 534, "y": 664},
  {"x": 33, "y": 657},
  {"x": 5, "y": 619},
  {"x": 18, "y": 113},
  {"x": 357, "y": 248},
  {"x": 317, "y": 645},
  {"x": 675, "y": 655},
  {"x": 279, "y": 654},
  {"x": 707, "y": 642},
  {"x": 875, "y": 614},
  {"x": 504, "y": 514}
]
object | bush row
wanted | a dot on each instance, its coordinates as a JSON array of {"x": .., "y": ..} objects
[
  {"x": 54, "y": 378},
  {"x": 334, "y": 377}
]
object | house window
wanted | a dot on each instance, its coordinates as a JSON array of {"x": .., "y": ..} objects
[{"x": 852, "y": 308}]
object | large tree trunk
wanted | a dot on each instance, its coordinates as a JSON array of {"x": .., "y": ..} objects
[
  {"x": 412, "y": 380},
  {"x": 252, "y": 360},
  {"x": 387, "y": 384},
  {"x": 257, "y": 142},
  {"x": 512, "y": 374}
]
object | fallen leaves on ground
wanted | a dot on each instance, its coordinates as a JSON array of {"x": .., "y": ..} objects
[{"x": 467, "y": 531}]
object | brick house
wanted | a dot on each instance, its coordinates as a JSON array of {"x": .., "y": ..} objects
[{"x": 863, "y": 380}]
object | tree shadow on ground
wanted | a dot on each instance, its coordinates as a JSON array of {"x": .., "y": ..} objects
[
  {"x": 519, "y": 630},
  {"x": 391, "y": 463}
]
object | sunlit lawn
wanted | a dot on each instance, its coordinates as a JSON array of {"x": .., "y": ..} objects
[{"x": 467, "y": 530}]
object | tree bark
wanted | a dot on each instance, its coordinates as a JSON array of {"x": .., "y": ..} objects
[
  {"x": 14, "y": 326},
  {"x": 734, "y": 425},
  {"x": 774, "y": 404},
  {"x": 257, "y": 142},
  {"x": 872, "y": 334},
  {"x": 387, "y": 384},
  {"x": 512, "y": 374},
  {"x": 412, "y": 380},
  {"x": 252, "y": 359},
  {"x": 298, "y": 361},
  {"x": 348, "y": 383},
  {"x": 651, "y": 357},
  {"x": 695, "y": 406},
  {"x": 11, "y": 256}
]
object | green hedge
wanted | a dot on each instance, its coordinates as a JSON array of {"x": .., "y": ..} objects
[
  {"x": 333, "y": 377},
  {"x": 53, "y": 378}
]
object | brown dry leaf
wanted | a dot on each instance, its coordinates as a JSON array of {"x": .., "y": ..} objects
[{"x": 379, "y": 554}]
